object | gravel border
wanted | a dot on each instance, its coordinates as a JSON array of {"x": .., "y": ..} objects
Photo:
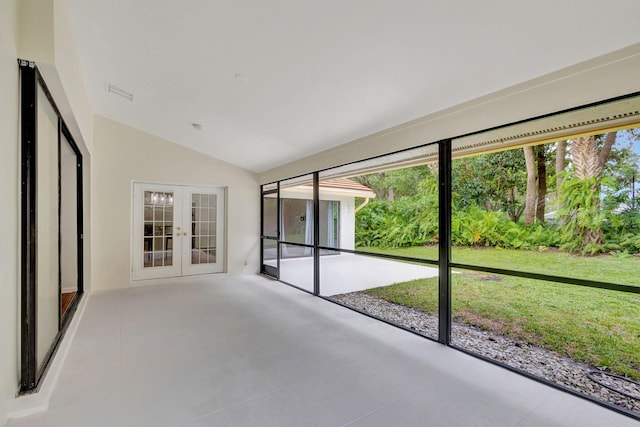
[{"x": 534, "y": 360}]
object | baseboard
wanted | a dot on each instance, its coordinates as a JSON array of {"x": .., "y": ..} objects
[
  {"x": 30, "y": 404},
  {"x": 68, "y": 290},
  {"x": 170, "y": 280}
]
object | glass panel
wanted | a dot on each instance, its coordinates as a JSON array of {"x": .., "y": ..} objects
[
  {"x": 553, "y": 208},
  {"x": 203, "y": 229},
  {"x": 161, "y": 229},
  {"x": 296, "y": 222},
  {"x": 270, "y": 253},
  {"x": 297, "y": 270},
  {"x": 402, "y": 293},
  {"x": 148, "y": 212},
  {"x": 68, "y": 224},
  {"x": 48, "y": 294},
  {"x": 270, "y": 215},
  {"x": 386, "y": 205},
  {"x": 329, "y": 223},
  {"x": 555, "y": 331},
  {"x": 393, "y": 210}
]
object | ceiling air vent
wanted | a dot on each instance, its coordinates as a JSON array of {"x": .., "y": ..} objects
[{"x": 120, "y": 92}]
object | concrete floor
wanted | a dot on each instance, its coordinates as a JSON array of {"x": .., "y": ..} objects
[
  {"x": 345, "y": 272},
  {"x": 248, "y": 351}
]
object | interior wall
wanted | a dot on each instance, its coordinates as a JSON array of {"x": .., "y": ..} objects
[
  {"x": 126, "y": 155},
  {"x": 45, "y": 37},
  {"x": 9, "y": 161},
  {"x": 608, "y": 76}
]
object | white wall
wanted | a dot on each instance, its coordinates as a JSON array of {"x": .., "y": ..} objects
[
  {"x": 124, "y": 155},
  {"x": 45, "y": 37},
  {"x": 9, "y": 162},
  {"x": 347, "y": 213},
  {"x": 611, "y": 75}
]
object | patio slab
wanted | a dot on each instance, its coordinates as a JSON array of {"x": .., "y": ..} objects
[{"x": 345, "y": 273}]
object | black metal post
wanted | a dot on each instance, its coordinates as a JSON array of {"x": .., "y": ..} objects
[
  {"x": 262, "y": 229},
  {"x": 316, "y": 234},
  {"x": 444, "y": 242},
  {"x": 278, "y": 219},
  {"x": 28, "y": 99}
]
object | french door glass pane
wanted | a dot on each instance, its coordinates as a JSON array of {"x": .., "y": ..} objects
[
  {"x": 158, "y": 229},
  {"x": 203, "y": 228}
]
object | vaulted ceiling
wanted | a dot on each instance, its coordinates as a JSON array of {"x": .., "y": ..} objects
[{"x": 272, "y": 81}]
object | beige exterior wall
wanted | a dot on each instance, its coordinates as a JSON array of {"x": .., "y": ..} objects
[
  {"x": 611, "y": 75},
  {"x": 9, "y": 170},
  {"x": 124, "y": 155}
]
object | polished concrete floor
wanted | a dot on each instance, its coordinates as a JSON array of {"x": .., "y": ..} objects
[{"x": 248, "y": 351}]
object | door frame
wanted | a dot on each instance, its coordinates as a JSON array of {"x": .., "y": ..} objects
[{"x": 178, "y": 255}]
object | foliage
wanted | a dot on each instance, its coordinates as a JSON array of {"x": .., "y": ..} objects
[
  {"x": 475, "y": 182},
  {"x": 594, "y": 215},
  {"x": 405, "y": 222},
  {"x": 393, "y": 184}
]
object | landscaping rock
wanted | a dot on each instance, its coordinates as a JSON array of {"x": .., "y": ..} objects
[{"x": 534, "y": 360}]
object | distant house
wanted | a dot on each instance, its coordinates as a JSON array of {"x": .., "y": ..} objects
[{"x": 337, "y": 213}]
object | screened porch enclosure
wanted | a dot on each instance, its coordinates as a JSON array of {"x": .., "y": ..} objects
[{"x": 479, "y": 242}]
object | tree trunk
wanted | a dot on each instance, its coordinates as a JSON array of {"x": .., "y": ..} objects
[
  {"x": 561, "y": 158},
  {"x": 609, "y": 140},
  {"x": 588, "y": 164},
  {"x": 584, "y": 154},
  {"x": 542, "y": 183},
  {"x": 530, "y": 198}
]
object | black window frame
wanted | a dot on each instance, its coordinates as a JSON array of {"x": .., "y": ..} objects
[{"x": 31, "y": 374}]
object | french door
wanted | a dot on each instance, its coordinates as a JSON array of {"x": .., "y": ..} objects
[{"x": 177, "y": 230}]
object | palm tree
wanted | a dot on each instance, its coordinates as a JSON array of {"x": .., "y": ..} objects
[
  {"x": 582, "y": 198},
  {"x": 530, "y": 198}
]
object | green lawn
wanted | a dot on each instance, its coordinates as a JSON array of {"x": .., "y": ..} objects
[{"x": 595, "y": 326}]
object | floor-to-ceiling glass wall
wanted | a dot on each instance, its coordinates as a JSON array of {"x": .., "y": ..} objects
[
  {"x": 296, "y": 225},
  {"x": 518, "y": 244},
  {"x": 545, "y": 239},
  {"x": 69, "y": 242},
  {"x": 379, "y": 235},
  {"x": 47, "y": 286},
  {"x": 51, "y": 240},
  {"x": 269, "y": 230}
]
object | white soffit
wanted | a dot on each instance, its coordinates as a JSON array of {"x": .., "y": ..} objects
[
  {"x": 274, "y": 81},
  {"x": 591, "y": 120},
  {"x": 620, "y": 114}
]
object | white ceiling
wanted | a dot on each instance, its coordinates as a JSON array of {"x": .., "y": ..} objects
[{"x": 316, "y": 74}]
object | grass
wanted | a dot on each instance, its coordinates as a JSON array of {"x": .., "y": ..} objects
[
  {"x": 605, "y": 268},
  {"x": 598, "y": 327}
]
